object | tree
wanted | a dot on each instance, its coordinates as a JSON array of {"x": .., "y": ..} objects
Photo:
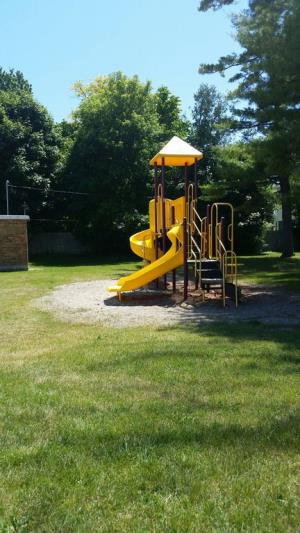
[
  {"x": 120, "y": 124},
  {"x": 168, "y": 107},
  {"x": 269, "y": 83},
  {"x": 239, "y": 179},
  {"x": 28, "y": 143},
  {"x": 208, "y": 117}
]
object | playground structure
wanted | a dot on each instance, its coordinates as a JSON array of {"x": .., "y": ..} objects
[{"x": 179, "y": 237}]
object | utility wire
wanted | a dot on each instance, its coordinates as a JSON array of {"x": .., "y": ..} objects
[
  {"x": 51, "y": 220},
  {"x": 48, "y": 190}
]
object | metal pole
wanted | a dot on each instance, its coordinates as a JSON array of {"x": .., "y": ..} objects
[
  {"x": 163, "y": 213},
  {"x": 174, "y": 271},
  {"x": 185, "y": 259},
  {"x": 155, "y": 211},
  {"x": 196, "y": 183},
  {"x": 7, "y": 196},
  {"x": 207, "y": 230},
  {"x": 186, "y": 182}
]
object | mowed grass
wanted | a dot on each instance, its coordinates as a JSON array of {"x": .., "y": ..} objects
[
  {"x": 270, "y": 269},
  {"x": 139, "y": 429}
]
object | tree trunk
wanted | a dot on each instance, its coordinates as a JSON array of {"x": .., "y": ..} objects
[{"x": 287, "y": 223}]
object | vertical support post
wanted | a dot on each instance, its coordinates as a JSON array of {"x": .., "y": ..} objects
[
  {"x": 186, "y": 183},
  {"x": 222, "y": 262},
  {"x": 196, "y": 183},
  {"x": 196, "y": 278},
  {"x": 155, "y": 210},
  {"x": 174, "y": 271},
  {"x": 196, "y": 208},
  {"x": 7, "y": 196},
  {"x": 187, "y": 210},
  {"x": 185, "y": 260},
  {"x": 207, "y": 231},
  {"x": 155, "y": 214},
  {"x": 163, "y": 214}
]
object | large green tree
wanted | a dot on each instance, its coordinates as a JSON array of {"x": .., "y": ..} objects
[
  {"x": 29, "y": 152},
  {"x": 120, "y": 123},
  {"x": 267, "y": 74}
]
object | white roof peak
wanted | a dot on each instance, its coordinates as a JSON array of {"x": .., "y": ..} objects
[{"x": 177, "y": 153}]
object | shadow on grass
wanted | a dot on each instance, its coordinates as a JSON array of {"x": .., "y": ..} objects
[
  {"x": 254, "y": 357},
  {"x": 271, "y": 269},
  {"x": 257, "y": 336},
  {"x": 278, "y": 434}
]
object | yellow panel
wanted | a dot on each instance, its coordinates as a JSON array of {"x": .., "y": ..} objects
[
  {"x": 175, "y": 160},
  {"x": 179, "y": 205}
]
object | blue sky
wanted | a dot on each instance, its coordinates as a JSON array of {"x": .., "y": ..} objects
[{"x": 56, "y": 42}]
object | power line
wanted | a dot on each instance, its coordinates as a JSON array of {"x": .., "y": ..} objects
[
  {"x": 56, "y": 191},
  {"x": 9, "y": 185},
  {"x": 52, "y": 220}
]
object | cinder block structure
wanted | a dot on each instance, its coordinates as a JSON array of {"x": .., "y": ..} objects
[{"x": 13, "y": 242}]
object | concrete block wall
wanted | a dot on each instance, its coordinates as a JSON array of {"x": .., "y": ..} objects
[{"x": 13, "y": 242}]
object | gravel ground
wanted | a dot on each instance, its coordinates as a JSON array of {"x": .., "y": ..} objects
[{"x": 90, "y": 302}]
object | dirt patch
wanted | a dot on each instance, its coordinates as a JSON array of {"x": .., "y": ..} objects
[{"x": 90, "y": 302}]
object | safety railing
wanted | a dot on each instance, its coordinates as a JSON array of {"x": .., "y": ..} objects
[
  {"x": 213, "y": 225},
  {"x": 196, "y": 242},
  {"x": 220, "y": 255},
  {"x": 228, "y": 264}
]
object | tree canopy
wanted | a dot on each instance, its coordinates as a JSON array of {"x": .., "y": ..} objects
[
  {"x": 269, "y": 84},
  {"x": 120, "y": 123},
  {"x": 29, "y": 150}
]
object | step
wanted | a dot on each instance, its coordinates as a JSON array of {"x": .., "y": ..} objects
[
  {"x": 213, "y": 269},
  {"x": 209, "y": 262},
  {"x": 212, "y": 281}
]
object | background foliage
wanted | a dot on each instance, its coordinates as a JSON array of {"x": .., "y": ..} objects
[{"x": 250, "y": 140}]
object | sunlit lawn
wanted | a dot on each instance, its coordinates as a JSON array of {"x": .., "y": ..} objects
[{"x": 176, "y": 429}]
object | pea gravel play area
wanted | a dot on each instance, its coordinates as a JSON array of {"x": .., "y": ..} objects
[{"x": 90, "y": 302}]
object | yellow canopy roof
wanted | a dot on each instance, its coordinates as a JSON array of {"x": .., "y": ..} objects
[{"x": 177, "y": 153}]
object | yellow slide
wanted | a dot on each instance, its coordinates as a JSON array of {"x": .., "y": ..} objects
[
  {"x": 170, "y": 260},
  {"x": 142, "y": 244}
]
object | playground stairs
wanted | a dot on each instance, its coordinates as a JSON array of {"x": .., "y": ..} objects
[
  {"x": 210, "y": 253},
  {"x": 209, "y": 274}
]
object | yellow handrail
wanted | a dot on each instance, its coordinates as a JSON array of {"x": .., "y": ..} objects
[{"x": 228, "y": 265}]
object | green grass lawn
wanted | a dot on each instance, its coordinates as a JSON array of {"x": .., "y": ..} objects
[
  {"x": 176, "y": 429},
  {"x": 269, "y": 269}
]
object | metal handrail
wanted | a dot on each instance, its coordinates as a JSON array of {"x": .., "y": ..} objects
[
  {"x": 214, "y": 221},
  {"x": 194, "y": 250},
  {"x": 228, "y": 264}
]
